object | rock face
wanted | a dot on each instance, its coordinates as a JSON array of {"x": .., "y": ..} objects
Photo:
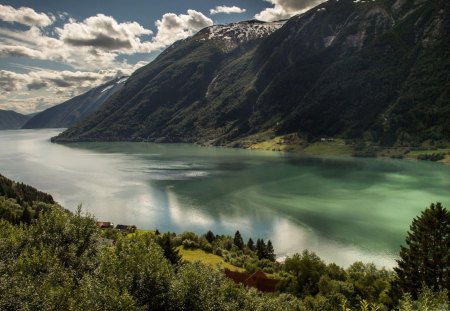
[
  {"x": 377, "y": 70},
  {"x": 76, "y": 109},
  {"x": 11, "y": 120}
]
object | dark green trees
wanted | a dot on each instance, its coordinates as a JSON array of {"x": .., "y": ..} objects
[
  {"x": 251, "y": 245},
  {"x": 210, "y": 236},
  {"x": 425, "y": 260},
  {"x": 238, "y": 241},
  {"x": 169, "y": 249}
]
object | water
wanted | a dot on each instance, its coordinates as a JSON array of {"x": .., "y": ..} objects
[{"x": 343, "y": 209}]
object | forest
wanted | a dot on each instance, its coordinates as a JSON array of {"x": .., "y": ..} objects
[{"x": 54, "y": 259}]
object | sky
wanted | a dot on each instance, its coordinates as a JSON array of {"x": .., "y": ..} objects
[{"x": 53, "y": 50}]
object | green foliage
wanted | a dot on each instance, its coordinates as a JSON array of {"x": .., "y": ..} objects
[
  {"x": 427, "y": 301},
  {"x": 431, "y": 157},
  {"x": 425, "y": 260},
  {"x": 251, "y": 245},
  {"x": 169, "y": 249},
  {"x": 238, "y": 241},
  {"x": 307, "y": 269}
]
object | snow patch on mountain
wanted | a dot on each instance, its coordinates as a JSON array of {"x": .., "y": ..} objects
[{"x": 230, "y": 36}]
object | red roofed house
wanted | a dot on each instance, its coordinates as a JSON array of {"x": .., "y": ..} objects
[{"x": 258, "y": 280}]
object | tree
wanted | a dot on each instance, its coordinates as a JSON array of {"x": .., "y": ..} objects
[
  {"x": 26, "y": 216},
  {"x": 210, "y": 236},
  {"x": 270, "y": 253},
  {"x": 170, "y": 251},
  {"x": 425, "y": 260},
  {"x": 307, "y": 269},
  {"x": 238, "y": 241},
  {"x": 251, "y": 245},
  {"x": 261, "y": 249}
]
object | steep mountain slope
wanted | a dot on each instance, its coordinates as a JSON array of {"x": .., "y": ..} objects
[
  {"x": 11, "y": 120},
  {"x": 76, "y": 109},
  {"x": 377, "y": 70}
]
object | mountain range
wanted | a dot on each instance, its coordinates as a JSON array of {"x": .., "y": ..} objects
[
  {"x": 11, "y": 120},
  {"x": 372, "y": 70},
  {"x": 76, "y": 109}
]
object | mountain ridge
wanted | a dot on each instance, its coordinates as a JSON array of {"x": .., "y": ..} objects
[
  {"x": 11, "y": 120},
  {"x": 76, "y": 109},
  {"x": 342, "y": 69}
]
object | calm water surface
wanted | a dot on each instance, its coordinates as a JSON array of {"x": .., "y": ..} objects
[{"x": 343, "y": 209}]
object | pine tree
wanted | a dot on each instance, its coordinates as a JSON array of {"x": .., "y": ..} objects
[
  {"x": 251, "y": 245},
  {"x": 270, "y": 253},
  {"x": 170, "y": 251},
  {"x": 425, "y": 260},
  {"x": 238, "y": 241},
  {"x": 209, "y": 236},
  {"x": 261, "y": 249},
  {"x": 26, "y": 216}
]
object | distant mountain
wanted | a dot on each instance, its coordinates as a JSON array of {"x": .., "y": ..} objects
[
  {"x": 76, "y": 109},
  {"x": 11, "y": 120},
  {"x": 373, "y": 70}
]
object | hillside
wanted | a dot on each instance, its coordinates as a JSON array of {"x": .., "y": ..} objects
[
  {"x": 76, "y": 109},
  {"x": 372, "y": 70},
  {"x": 11, "y": 120}
]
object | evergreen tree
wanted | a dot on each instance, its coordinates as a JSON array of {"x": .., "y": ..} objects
[
  {"x": 157, "y": 232},
  {"x": 425, "y": 260},
  {"x": 261, "y": 248},
  {"x": 210, "y": 236},
  {"x": 238, "y": 241},
  {"x": 170, "y": 251},
  {"x": 26, "y": 216},
  {"x": 270, "y": 253},
  {"x": 251, "y": 245}
]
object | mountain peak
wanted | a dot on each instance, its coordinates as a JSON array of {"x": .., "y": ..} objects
[{"x": 235, "y": 34}]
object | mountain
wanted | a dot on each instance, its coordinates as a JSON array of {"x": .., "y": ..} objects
[
  {"x": 76, "y": 109},
  {"x": 373, "y": 70},
  {"x": 11, "y": 120}
]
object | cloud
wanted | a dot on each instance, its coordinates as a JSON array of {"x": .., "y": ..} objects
[
  {"x": 93, "y": 48},
  {"x": 284, "y": 9},
  {"x": 103, "y": 32},
  {"x": 99, "y": 40},
  {"x": 172, "y": 27},
  {"x": 42, "y": 88},
  {"x": 226, "y": 10},
  {"x": 25, "y": 16}
]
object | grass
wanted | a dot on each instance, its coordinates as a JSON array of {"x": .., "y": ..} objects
[
  {"x": 416, "y": 153},
  {"x": 206, "y": 259},
  {"x": 139, "y": 232},
  {"x": 330, "y": 148}
]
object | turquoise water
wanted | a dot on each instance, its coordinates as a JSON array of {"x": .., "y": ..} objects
[{"x": 343, "y": 209}]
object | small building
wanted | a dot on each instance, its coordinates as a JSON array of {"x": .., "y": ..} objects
[
  {"x": 258, "y": 280},
  {"x": 126, "y": 228},
  {"x": 123, "y": 228},
  {"x": 105, "y": 224}
]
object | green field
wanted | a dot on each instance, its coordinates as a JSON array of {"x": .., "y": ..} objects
[
  {"x": 332, "y": 148},
  {"x": 206, "y": 258}
]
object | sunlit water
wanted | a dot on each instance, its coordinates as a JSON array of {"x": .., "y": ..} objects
[{"x": 343, "y": 209}]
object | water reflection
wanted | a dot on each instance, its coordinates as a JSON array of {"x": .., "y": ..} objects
[{"x": 344, "y": 209}]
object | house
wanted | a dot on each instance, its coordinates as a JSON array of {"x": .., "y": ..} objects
[
  {"x": 258, "y": 280},
  {"x": 105, "y": 224},
  {"x": 123, "y": 228},
  {"x": 126, "y": 228}
]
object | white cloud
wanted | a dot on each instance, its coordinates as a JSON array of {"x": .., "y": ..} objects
[
  {"x": 41, "y": 88},
  {"x": 172, "y": 27},
  {"x": 226, "y": 10},
  {"x": 91, "y": 47},
  {"x": 284, "y": 9},
  {"x": 25, "y": 16},
  {"x": 105, "y": 33}
]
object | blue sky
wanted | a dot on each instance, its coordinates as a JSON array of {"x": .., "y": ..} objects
[{"x": 52, "y": 50}]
